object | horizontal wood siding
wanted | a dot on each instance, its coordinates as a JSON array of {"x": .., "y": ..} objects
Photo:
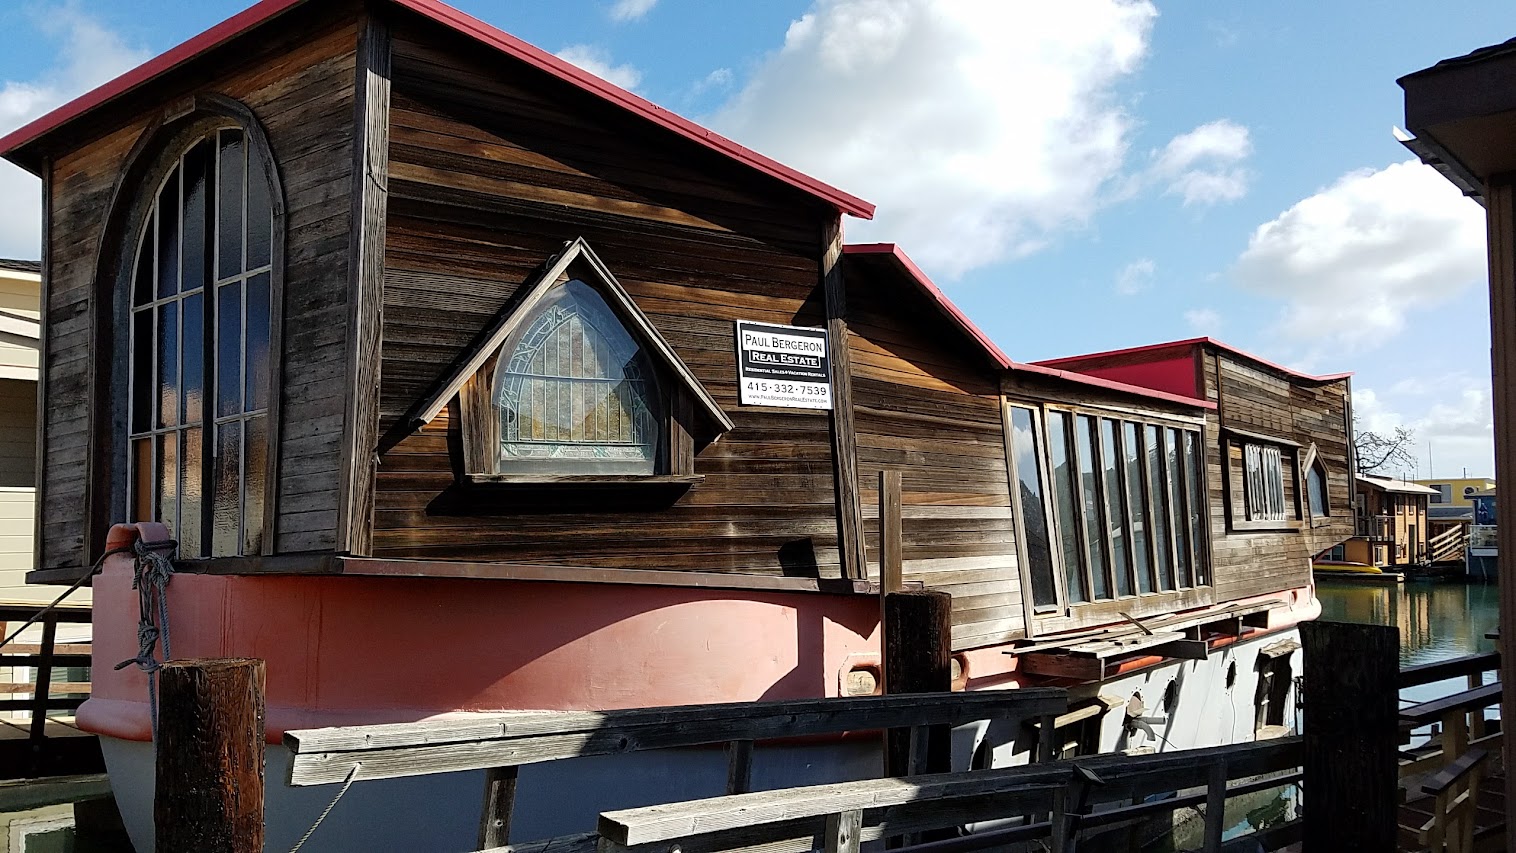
[
  {"x": 298, "y": 81},
  {"x": 925, "y": 408},
  {"x": 492, "y": 168},
  {"x": 1268, "y": 402}
]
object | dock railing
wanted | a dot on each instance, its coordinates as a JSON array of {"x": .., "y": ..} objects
[
  {"x": 1449, "y": 546},
  {"x": 44, "y": 696}
]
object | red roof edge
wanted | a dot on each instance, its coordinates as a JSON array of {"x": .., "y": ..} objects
[
  {"x": 1072, "y": 361},
  {"x": 474, "y": 28},
  {"x": 996, "y": 355}
]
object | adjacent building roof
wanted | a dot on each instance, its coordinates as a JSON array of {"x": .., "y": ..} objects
[
  {"x": 911, "y": 274},
  {"x": 265, "y": 11},
  {"x": 21, "y": 266},
  {"x": 1450, "y": 513},
  {"x": 1390, "y": 484},
  {"x": 1075, "y": 362}
]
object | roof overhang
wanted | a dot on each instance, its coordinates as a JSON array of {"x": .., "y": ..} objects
[
  {"x": 18, "y": 146},
  {"x": 1075, "y": 362},
  {"x": 1462, "y": 112},
  {"x": 1385, "y": 484}
]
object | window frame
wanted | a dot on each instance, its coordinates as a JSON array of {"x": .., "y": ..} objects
[
  {"x": 152, "y": 160},
  {"x": 1068, "y": 614},
  {"x": 1296, "y": 516}
]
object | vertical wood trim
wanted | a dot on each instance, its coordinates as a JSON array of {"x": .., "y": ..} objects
[
  {"x": 891, "y": 540},
  {"x": 850, "y": 537},
  {"x": 371, "y": 115},
  {"x": 1500, "y": 206},
  {"x": 499, "y": 803},
  {"x": 39, "y": 501}
]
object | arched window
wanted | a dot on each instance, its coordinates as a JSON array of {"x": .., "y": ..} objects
[
  {"x": 575, "y": 393},
  {"x": 1316, "y": 490},
  {"x": 199, "y": 365}
]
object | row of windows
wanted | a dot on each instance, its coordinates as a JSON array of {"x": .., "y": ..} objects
[{"x": 1119, "y": 505}]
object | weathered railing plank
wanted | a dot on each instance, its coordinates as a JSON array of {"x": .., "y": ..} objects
[
  {"x": 1442, "y": 670},
  {"x": 527, "y": 737}
]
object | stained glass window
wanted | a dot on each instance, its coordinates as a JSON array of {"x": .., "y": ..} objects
[{"x": 576, "y": 393}]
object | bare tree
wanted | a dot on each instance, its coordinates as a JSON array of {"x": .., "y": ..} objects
[{"x": 1377, "y": 451}]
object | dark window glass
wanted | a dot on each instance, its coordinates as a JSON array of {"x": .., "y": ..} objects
[
  {"x": 1137, "y": 498},
  {"x": 257, "y": 355},
  {"x": 168, "y": 237},
  {"x": 142, "y": 285},
  {"x": 1061, "y": 460},
  {"x": 255, "y": 466},
  {"x": 228, "y": 350},
  {"x": 230, "y": 197},
  {"x": 258, "y": 226},
  {"x": 1178, "y": 518},
  {"x": 197, "y": 180},
  {"x": 1027, "y": 445},
  {"x": 1194, "y": 478},
  {"x": 191, "y": 499},
  {"x": 1115, "y": 509},
  {"x": 1158, "y": 508},
  {"x": 1316, "y": 491},
  {"x": 168, "y": 364},
  {"x": 143, "y": 381},
  {"x": 142, "y": 480},
  {"x": 1089, "y": 490},
  {"x": 168, "y": 477},
  {"x": 226, "y": 513},
  {"x": 193, "y": 391}
]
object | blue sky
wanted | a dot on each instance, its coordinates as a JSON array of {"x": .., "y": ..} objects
[{"x": 1078, "y": 176}]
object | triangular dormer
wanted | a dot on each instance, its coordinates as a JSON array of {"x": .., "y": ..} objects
[{"x": 571, "y": 381}]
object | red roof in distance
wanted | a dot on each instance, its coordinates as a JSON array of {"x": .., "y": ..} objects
[
  {"x": 266, "y": 10},
  {"x": 1074, "y": 362}
]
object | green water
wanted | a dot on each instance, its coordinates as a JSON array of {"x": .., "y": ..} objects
[{"x": 1437, "y": 620}]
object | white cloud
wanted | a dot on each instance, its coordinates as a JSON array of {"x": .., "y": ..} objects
[
  {"x": 1451, "y": 417},
  {"x": 631, "y": 10},
  {"x": 88, "y": 54},
  {"x": 1135, "y": 277},
  {"x": 1204, "y": 166},
  {"x": 598, "y": 62},
  {"x": 981, "y": 128},
  {"x": 1204, "y": 321},
  {"x": 1354, "y": 260}
]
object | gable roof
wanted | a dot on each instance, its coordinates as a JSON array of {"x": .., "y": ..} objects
[
  {"x": 1075, "y": 362},
  {"x": 574, "y": 251},
  {"x": 1390, "y": 484},
  {"x": 908, "y": 272},
  {"x": 464, "y": 24}
]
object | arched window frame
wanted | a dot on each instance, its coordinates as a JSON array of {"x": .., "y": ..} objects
[
  {"x": 153, "y": 158},
  {"x": 691, "y": 416}
]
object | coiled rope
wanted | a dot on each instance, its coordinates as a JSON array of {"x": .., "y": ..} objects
[{"x": 154, "y": 570}]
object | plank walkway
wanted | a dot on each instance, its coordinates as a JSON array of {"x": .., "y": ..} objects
[
  {"x": 1489, "y": 825},
  {"x": 68, "y": 750}
]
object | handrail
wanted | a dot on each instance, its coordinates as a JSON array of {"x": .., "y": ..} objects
[
  {"x": 1426, "y": 673},
  {"x": 1468, "y": 700}
]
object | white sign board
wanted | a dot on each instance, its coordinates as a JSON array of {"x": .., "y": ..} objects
[{"x": 783, "y": 366}]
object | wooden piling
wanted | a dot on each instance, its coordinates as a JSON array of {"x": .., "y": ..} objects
[
  {"x": 1351, "y": 735},
  {"x": 917, "y": 660},
  {"x": 209, "y": 794}
]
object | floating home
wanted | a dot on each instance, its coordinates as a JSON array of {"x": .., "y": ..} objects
[
  {"x": 464, "y": 381},
  {"x": 1393, "y": 525}
]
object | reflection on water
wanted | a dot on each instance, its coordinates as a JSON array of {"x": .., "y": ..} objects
[{"x": 1436, "y": 620}]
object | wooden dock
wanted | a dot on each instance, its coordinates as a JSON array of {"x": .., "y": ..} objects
[{"x": 46, "y": 743}]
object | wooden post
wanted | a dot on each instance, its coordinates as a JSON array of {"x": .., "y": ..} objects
[
  {"x": 499, "y": 802},
  {"x": 842, "y": 831},
  {"x": 1215, "y": 806},
  {"x": 1351, "y": 734},
  {"x": 917, "y": 659},
  {"x": 42, "y": 693},
  {"x": 209, "y": 794},
  {"x": 739, "y": 766},
  {"x": 891, "y": 534}
]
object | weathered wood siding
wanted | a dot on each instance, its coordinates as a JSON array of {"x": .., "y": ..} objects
[
  {"x": 931, "y": 410},
  {"x": 298, "y": 81},
  {"x": 1254, "y": 398},
  {"x": 493, "y": 166}
]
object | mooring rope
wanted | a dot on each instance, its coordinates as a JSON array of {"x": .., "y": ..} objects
[
  {"x": 93, "y": 570},
  {"x": 352, "y": 775},
  {"x": 154, "y": 570}
]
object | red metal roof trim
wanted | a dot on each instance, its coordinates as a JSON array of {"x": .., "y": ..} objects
[
  {"x": 1070, "y": 361},
  {"x": 996, "y": 355},
  {"x": 474, "y": 28}
]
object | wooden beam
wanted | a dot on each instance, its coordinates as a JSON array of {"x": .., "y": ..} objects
[
  {"x": 1351, "y": 734},
  {"x": 209, "y": 790},
  {"x": 1500, "y": 205},
  {"x": 918, "y": 659},
  {"x": 499, "y": 802},
  {"x": 891, "y": 563},
  {"x": 365, "y": 291},
  {"x": 527, "y": 737},
  {"x": 850, "y": 534}
]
